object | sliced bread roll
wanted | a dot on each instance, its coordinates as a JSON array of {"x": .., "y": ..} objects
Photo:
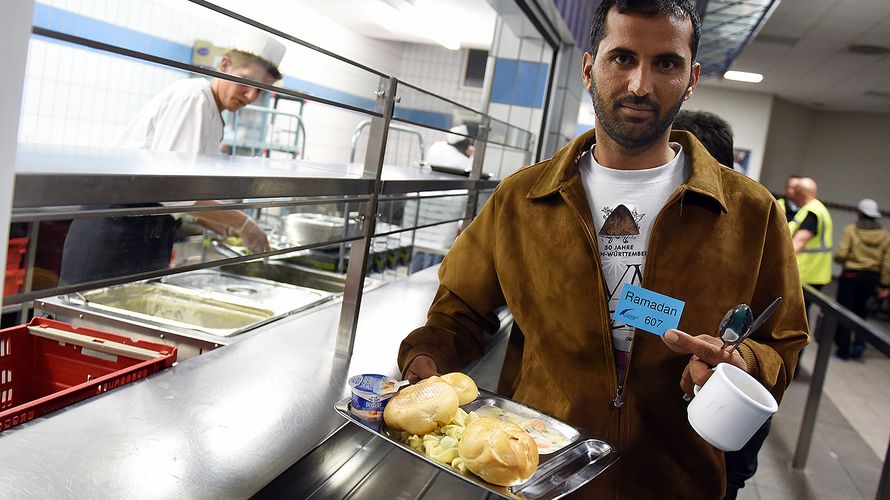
[
  {"x": 499, "y": 452},
  {"x": 420, "y": 408},
  {"x": 464, "y": 385}
]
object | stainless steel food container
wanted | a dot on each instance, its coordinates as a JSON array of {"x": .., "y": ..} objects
[{"x": 208, "y": 302}]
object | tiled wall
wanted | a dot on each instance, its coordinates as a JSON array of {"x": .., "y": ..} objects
[
  {"x": 437, "y": 70},
  {"x": 507, "y": 46}
]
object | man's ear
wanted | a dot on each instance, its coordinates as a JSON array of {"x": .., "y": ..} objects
[
  {"x": 225, "y": 64},
  {"x": 587, "y": 71},
  {"x": 693, "y": 81}
]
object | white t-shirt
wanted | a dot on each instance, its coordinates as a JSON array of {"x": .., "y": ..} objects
[
  {"x": 441, "y": 153},
  {"x": 183, "y": 117},
  {"x": 624, "y": 204}
]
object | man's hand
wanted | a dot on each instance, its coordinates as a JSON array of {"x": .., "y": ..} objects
[
  {"x": 422, "y": 367},
  {"x": 254, "y": 237},
  {"x": 707, "y": 352}
]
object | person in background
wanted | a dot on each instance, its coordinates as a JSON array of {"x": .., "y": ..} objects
[
  {"x": 629, "y": 202},
  {"x": 711, "y": 130},
  {"x": 715, "y": 134},
  {"x": 811, "y": 234},
  {"x": 864, "y": 252},
  {"x": 455, "y": 151},
  {"x": 785, "y": 201},
  {"x": 184, "y": 117}
]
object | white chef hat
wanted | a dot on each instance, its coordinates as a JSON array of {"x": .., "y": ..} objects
[
  {"x": 869, "y": 207},
  {"x": 261, "y": 45},
  {"x": 454, "y": 138}
]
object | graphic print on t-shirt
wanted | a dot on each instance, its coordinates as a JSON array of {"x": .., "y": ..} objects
[
  {"x": 622, "y": 252},
  {"x": 624, "y": 204}
]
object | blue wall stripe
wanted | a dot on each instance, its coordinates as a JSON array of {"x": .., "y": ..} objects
[
  {"x": 519, "y": 83},
  {"x": 328, "y": 93},
  {"x": 86, "y": 27}
]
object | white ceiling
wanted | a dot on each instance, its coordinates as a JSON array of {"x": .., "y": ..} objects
[
  {"x": 801, "y": 51},
  {"x": 802, "y": 54},
  {"x": 471, "y": 22}
]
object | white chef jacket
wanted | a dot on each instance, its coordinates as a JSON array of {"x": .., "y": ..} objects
[
  {"x": 183, "y": 117},
  {"x": 443, "y": 154}
]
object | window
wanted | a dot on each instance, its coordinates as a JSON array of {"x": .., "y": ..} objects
[{"x": 474, "y": 71}]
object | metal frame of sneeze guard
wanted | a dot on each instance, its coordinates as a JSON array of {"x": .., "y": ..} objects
[
  {"x": 45, "y": 191},
  {"x": 358, "y": 257}
]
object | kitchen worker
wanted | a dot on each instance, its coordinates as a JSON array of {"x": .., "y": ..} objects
[
  {"x": 455, "y": 151},
  {"x": 184, "y": 117},
  {"x": 628, "y": 202}
]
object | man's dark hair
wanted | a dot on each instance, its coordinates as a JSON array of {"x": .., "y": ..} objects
[
  {"x": 678, "y": 9},
  {"x": 710, "y": 130}
]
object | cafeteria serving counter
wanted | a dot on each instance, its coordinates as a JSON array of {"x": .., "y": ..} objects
[{"x": 228, "y": 423}]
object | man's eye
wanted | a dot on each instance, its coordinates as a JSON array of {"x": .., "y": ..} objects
[
  {"x": 622, "y": 58},
  {"x": 667, "y": 65}
]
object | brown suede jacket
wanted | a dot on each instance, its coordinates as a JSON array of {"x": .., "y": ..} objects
[{"x": 720, "y": 240}]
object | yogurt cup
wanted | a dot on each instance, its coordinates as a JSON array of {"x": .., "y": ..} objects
[{"x": 367, "y": 401}]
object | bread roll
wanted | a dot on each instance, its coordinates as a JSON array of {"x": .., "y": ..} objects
[
  {"x": 420, "y": 408},
  {"x": 464, "y": 385},
  {"x": 498, "y": 452}
]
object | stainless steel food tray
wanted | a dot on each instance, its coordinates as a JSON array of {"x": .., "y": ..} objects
[
  {"x": 280, "y": 298},
  {"x": 204, "y": 306},
  {"x": 559, "y": 473}
]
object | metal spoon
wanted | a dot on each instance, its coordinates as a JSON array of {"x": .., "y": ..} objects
[
  {"x": 734, "y": 324},
  {"x": 770, "y": 309}
]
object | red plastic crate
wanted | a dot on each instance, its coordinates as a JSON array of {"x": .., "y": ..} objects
[
  {"x": 13, "y": 281},
  {"x": 39, "y": 375},
  {"x": 14, "y": 252}
]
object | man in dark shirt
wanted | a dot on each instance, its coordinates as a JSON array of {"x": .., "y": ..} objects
[{"x": 787, "y": 200}]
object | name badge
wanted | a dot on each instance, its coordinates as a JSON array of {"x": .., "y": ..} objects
[{"x": 648, "y": 310}]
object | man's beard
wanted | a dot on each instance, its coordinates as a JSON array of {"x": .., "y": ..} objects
[{"x": 615, "y": 128}]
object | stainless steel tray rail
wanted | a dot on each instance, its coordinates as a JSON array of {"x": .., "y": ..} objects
[{"x": 558, "y": 474}]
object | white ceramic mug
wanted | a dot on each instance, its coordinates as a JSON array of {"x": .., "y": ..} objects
[{"x": 730, "y": 408}]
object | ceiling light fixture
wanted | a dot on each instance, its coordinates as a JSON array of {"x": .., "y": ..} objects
[{"x": 743, "y": 76}]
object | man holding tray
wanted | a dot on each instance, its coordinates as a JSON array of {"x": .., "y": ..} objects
[{"x": 628, "y": 215}]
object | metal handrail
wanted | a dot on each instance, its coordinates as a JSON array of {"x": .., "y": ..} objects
[
  {"x": 392, "y": 126},
  {"x": 831, "y": 314}
]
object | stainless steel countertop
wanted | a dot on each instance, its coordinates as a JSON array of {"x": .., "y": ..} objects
[{"x": 221, "y": 425}]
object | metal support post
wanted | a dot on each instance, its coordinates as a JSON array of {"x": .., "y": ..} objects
[
  {"x": 31, "y": 257},
  {"x": 359, "y": 254},
  {"x": 476, "y": 171},
  {"x": 825, "y": 327},
  {"x": 884, "y": 484}
]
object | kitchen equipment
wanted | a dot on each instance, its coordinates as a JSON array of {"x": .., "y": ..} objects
[
  {"x": 559, "y": 473},
  {"x": 205, "y": 301},
  {"x": 307, "y": 228},
  {"x": 279, "y": 298}
]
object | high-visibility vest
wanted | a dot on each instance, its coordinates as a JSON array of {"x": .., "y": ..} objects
[{"x": 814, "y": 260}]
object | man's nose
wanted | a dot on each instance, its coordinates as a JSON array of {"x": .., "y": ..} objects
[
  {"x": 251, "y": 94},
  {"x": 640, "y": 81}
]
